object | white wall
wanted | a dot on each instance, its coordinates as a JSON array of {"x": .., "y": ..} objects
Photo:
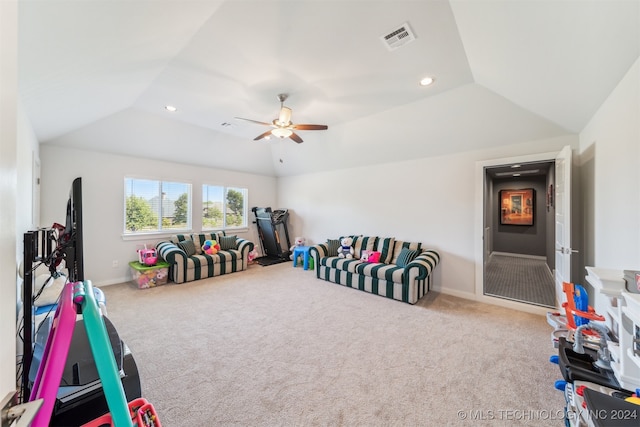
[
  {"x": 18, "y": 147},
  {"x": 103, "y": 201},
  {"x": 8, "y": 181},
  {"x": 610, "y": 144},
  {"x": 430, "y": 200}
]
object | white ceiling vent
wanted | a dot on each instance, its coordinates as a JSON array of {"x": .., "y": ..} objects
[{"x": 398, "y": 37}]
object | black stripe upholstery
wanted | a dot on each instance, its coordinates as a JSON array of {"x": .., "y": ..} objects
[
  {"x": 407, "y": 284},
  {"x": 199, "y": 266}
]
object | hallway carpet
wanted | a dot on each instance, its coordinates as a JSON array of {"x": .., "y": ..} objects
[{"x": 521, "y": 279}]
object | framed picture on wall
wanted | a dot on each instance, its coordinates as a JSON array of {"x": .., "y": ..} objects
[{"x": 517, "y": 207}]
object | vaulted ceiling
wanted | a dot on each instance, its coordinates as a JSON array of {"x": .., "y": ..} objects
[{"x": 98, "y": 74}]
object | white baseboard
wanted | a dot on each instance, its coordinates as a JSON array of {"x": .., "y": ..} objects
[
  {"x": 111, "y": 282},
  {"x": 455, "y": 293},
  {"x": 514, "y": 305}
]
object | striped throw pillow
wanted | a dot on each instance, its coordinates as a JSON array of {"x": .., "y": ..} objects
[
  {"x": 227, "y": 242},
  {"x": 188, "y": 247},
  {"x": 399, "y": 245},
  {"x": 406, "y": 256},
  {"x": 332, "y": 247}
]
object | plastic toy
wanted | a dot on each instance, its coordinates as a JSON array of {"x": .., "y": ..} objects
[
  {"x": 370, "y": 256},
  {"x": 252, "y": 256},
  {"x": 299, "y": 241},
  {"x": 50, "y": 371},
  {"x": 577, "y": 309},
  {"x": 346, "y": 250},
  {"x": 210, "y": 247},
  {"x": 147, "y": 256}
]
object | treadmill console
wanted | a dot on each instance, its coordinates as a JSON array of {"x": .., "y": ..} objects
[{"x": 279, "y": 216}]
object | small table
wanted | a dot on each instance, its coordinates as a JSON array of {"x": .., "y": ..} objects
[{"x": 304, "y": 251}]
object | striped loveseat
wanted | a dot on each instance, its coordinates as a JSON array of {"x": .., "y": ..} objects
[
  {"x": 404, "y": 272},
  {"x": 233, "y": 256}
]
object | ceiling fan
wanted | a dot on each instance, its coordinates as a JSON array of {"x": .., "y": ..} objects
[{"x": 282, "y": 126}]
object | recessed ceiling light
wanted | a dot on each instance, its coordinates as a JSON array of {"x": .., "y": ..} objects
[
  {"x": 516, "y": 174},
  {"x": 515, "y": 166},
  {"x": 170, "y": 108},
  {"x": 426, "y": 81}
]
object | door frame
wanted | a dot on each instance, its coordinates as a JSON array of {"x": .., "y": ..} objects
[{"x": 480, "y": 182}]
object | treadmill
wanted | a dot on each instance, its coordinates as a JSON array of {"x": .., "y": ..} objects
[{"x": 271, "y": 225}]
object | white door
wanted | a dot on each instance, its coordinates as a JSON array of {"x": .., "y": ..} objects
[{"x": 563, "y": 220}]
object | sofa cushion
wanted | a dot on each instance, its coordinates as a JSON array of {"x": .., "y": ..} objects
[
  {"x": 399, "y": 244},
  {"x": 385, "y": 247},
  {"x": 344, "y": 264},
  {"x": 406, "y": 256},
  {"x": 227, "y": 242},
  {"x": 381, "y": 271},
  {"x": 188, "y": 247},
  {"x": 363, "y": 243}
]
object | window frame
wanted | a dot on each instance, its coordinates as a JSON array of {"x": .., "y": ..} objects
[
  {"x": 225, "y": 189},
  {"x": 160, "y": 185}
]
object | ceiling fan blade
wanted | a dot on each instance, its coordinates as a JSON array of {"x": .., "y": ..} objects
[
  {"x": 310, "y": 127},
  {"x": 267, "y": 133},
  {"x": 253, "y": 121},
  {"x": 296, "y": 137}
]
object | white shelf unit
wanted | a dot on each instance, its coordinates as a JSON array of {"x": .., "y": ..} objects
[
  {"x": 622, "y": 313},
  {"x": 608, "y": 285},
  {"x": 630, "y": 342}
]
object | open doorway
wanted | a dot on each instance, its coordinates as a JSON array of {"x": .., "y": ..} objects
[
  {"x": 525, "y": 244},
  {"x": 519, "y": 256}
]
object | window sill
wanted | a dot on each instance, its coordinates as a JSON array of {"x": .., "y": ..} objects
[{"x": 166, "y": 234}]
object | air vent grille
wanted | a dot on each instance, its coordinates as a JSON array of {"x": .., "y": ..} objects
[{"x": 398, "y": 37}]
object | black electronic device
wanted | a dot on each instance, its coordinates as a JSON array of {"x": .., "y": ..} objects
[
  {"x": 72, "y": 236},
  {"x": 271, "y": 224}
]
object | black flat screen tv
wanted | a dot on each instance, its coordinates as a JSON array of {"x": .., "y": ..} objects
[{"x": 72, "y": 235}]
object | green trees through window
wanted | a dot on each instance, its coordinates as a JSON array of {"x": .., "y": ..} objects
[
  {"x": 223, "y": 207},
  {"x": 155, "y": 206}
]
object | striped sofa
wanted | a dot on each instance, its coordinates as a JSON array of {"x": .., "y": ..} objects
[
  {"x": 407, "y": 282},
  {"x": 185, "y": 268}
]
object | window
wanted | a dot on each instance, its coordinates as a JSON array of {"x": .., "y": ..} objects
[
  {"x": 152, "y": 206},
  {"x": 223, "y": 207}
]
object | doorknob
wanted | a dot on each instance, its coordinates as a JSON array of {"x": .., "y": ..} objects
[{"x": 566, "y": 251}]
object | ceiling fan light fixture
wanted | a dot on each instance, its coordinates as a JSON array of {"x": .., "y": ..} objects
[
  {"x": 285, "y": 116},
  {"x": 283, "y": 127},
  {"x": 282, "y": 133}
]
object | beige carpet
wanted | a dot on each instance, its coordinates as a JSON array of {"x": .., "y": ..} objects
[{"x": 275, "y": 346}]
